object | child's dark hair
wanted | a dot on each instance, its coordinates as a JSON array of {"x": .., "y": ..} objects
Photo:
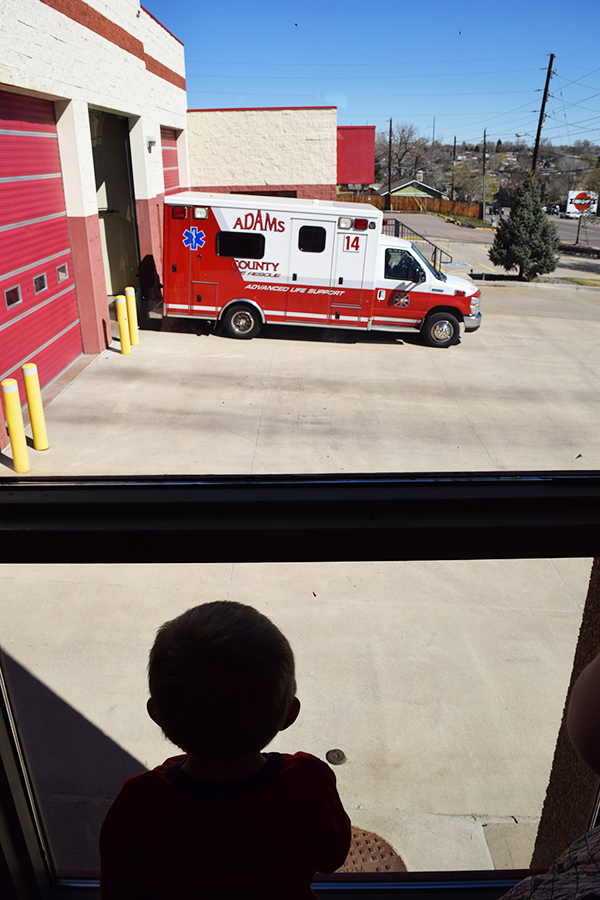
[{"x": 222, "y": 680}]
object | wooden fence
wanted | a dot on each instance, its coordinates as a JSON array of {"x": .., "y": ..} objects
[{"x": 417, "y": 204}]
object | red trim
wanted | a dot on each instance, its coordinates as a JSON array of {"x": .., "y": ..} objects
[
  {"x": 258, "y": 108},
  {"x": 83, "y": 14},
  {"x": 148, "y": 13},
  {"x": 164, "y": 72},
  {"x": 88, "y": 270}
]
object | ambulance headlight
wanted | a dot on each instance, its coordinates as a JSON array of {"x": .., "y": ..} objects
[
  {"x": 475, "y": 303},
  {"x": 345, "y": 222},
  {"x": 200, "y": 212}
]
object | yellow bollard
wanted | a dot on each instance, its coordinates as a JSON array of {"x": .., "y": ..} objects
[
  {"x": 36, "y": 407},
  {"x": 132, "y": 316},
  {"x": 121, "y": 305},
  {"x": 16, "y": 429}
]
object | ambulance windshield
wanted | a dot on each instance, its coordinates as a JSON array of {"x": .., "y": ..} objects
[{"x": 437, "y": 273}]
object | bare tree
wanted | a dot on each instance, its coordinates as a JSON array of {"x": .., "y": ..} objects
[{"x": 409, "y": 153}]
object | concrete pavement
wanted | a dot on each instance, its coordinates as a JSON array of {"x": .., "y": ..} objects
[{"x": 442, "y": 682}]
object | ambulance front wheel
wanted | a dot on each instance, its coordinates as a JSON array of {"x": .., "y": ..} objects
[
  {"x": 241, "y": 322},
  {"x": 441, "y": 330}
]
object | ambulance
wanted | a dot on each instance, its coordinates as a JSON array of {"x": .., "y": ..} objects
[{"x": 244, "y": 261}]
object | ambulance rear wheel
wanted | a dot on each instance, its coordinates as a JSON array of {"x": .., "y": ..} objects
[
  {"x": 241, "y": 322},
  {"x": 441, "y": 330}
]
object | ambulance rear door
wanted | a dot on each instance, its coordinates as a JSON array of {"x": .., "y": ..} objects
[{"x": 177, "y": 261}]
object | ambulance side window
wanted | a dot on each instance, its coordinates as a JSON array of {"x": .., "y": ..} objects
[
  {"x": 311, "y": 239},
  {"x": 240, "y": 245},
  {"x": 398, "y": 263}
]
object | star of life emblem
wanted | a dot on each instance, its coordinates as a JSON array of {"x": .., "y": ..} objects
[{"x": 193, "y": 238}]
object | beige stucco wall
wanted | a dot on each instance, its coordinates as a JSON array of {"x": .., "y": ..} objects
[{"x": 263, "y": 146}]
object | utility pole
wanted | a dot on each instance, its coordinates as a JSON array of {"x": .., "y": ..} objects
[
  {"x": 453, "y": 166},
  {"x": 541, "y": 122},
  {"x": 389, "y": 203},
  {"x": 484, "y": 152}
]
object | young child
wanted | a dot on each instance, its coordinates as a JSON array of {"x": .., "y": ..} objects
[{"x": 224, "y": 820}]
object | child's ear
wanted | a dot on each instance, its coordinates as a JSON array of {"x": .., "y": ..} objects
[
  {"x": 151, "y": 707},
  {"x": 292, "y": 715}
]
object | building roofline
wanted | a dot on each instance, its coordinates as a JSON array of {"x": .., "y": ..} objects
[
  {"x": 256, "y": 108},
  {"x": 148, "y": 13}
]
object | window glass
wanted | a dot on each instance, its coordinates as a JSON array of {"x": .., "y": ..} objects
[
  {"x": 398, "y": 264},
  {"x": 13, "y": 295},
  {"x": 312, "y": 239},
  {"x": 440, "y": 685},
  {"x": 240, "y": 245},
  {"x": 62, "y": 273},
  {"x": 40, "y": 283}
]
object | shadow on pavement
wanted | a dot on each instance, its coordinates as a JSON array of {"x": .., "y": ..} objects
[
  {"x": 287, "y": 333},
  {"x": 77, "y": 770}
]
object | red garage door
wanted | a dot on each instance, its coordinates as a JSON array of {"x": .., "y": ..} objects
[
  {"x": 39, "y": 319},
  {"x": 168, "y": 140}
]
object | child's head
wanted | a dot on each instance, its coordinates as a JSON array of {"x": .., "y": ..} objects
[{"x": 221, "y": 679}]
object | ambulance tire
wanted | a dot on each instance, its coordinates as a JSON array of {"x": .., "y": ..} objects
[
  {"x": 441, "y": 330},
  {"x": 241, "y": 321}
]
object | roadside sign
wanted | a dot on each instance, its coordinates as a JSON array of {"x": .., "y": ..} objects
[{"x": 582, "y": 203}]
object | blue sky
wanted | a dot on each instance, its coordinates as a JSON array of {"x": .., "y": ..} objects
[{"x": 468, "y": 65}]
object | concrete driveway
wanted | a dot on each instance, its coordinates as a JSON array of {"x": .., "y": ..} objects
[{"x": 442, "y": 682}]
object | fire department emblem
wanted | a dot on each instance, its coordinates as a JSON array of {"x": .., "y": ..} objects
[
  {"x": 193, "y": 238},
  {"x": 401, "y": 299}
]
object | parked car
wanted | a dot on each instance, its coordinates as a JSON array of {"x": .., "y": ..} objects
[
  {"x": 496, "y": 209},
  {"x": 553, "y": 209}
]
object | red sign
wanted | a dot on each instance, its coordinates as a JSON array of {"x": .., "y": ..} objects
[{"x": 582, "y": 201}]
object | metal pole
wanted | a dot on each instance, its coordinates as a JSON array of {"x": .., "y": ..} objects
[
  {"x": 541, "y": 121},
  {"x": 578, "y": 229},
  {"x": 484, "y": 151},
  {"x": 389, "y": 203},
  {"x": 453, "y": 166},
  {"x": 35, "y": 405}
]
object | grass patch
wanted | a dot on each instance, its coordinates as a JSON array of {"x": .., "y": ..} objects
[
  {"x": 586, "y": 282},
  {"x": 566, "y": 279},
  {"x": 466, "y": 220}
]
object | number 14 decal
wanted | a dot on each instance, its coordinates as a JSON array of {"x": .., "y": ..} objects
[{"x": 351, "y": 242}]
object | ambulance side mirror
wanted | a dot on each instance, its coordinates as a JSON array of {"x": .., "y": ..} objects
[{"x": 416, "y": 275}]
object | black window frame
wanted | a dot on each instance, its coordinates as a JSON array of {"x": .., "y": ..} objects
[
  {"x": 251, "y": 244},
  {"x": 312, "y": 239},
  {"x": 276, "y": 519}
]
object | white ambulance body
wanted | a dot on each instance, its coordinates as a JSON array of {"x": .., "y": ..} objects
[{"x": 246, "y": 260}]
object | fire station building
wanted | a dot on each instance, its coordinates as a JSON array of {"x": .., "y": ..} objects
[
  {"x": 94, "y": 132},
  {"x": 92, "y": 135}
]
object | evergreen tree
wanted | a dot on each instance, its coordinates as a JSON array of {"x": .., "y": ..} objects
[{"x": 528, "y": 238}]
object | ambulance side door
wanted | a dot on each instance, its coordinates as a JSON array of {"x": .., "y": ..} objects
[
  {"x": 400, "y": 300},
  {"x": 310, "y": 270},
  {"x": 347, "y": 285}
]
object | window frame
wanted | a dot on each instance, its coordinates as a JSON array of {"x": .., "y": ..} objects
[
  {"x": 17, "y": 288},
  {"x": 276, "y": 519}
]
